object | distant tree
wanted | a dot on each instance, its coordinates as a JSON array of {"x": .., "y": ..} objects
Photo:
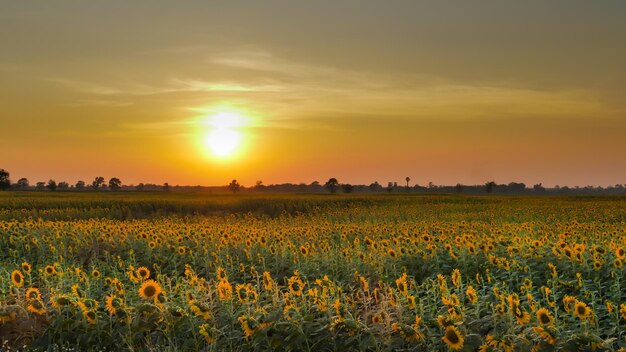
[
  {"x": 80, "y": 185},
  {"x": 234, "y": 186},
  {"x": 489, "y": 186},
  {"x": 459, "y": 188},
  {"x": 97, "y": 183},
  {"x": 63, "y": 185},
  {"x": 538, "y": 188},
  {"x": 259, "y": 186},
  {"x": 315, "y": 183},
  {"x": 41, "y": 185},
  {"x": 347, "y": 188},
  {"x": 115, "y": 184},
  {"x": 431, "y": 185},
  {"x": 52, "y": 185},
  {"x": 389, "y": 186},
  {"x": 140, "y": 187},
  {"x": 166, "y": 187},
  {"x": 375, "y": 187},
  {"x": 332, "y": 184},
  {"x": 5, "y": 181},
  {"x": 407, "y": 179},
  {"x": 22, "y": 183}
]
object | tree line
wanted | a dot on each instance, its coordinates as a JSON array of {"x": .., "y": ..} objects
[{"x": 331, "y": 186}]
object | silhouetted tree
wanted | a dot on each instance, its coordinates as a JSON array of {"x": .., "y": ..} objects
[
  {"x": 80, "y": 185},
  {"x": 41, "y": 185},
  {"x": 347, "y": 188},
  {"x": 389, "y": 186},
  {"x": 166, "y": 187},
  {"x": 140, "y": 187},
  {"x": 52, "y": 185},
  {"x": 375, "y": 187},
  {"x": 332, "y": 184},
  {"x": 407, "y": 183},
  {"x": 234, "y": 186},
  {"x": 115, "y": 184},
  {"x": 97, "y": 183},
  {"x": 459, "y": 188},
  {"x": 5, "y": 181},
  {"x": 63, "y": 185},
  {"x": 489, "y": 186},
  {"x": 22, "y": 183},
  {"x": 538, "y": 188}
]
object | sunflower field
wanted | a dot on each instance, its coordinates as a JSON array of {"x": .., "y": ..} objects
[{"x": 201, "y": 272}]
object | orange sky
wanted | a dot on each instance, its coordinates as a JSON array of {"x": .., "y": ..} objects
[{"x": 363, "y": 91}]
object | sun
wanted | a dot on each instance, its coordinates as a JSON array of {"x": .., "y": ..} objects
[
  {"x": 224, "y": 138},
  {"x": 223, "y": 142}
]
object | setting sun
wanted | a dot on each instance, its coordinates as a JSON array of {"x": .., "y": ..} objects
[{"x": 224, "y": 139}]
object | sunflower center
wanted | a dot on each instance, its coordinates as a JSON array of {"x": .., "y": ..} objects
[
  {"x": 150, "y": 291},
  {"x": 452, "y": 336}
]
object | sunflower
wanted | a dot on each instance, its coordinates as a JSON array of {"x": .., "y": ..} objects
[
  {"x": 221, "y": 273},
  {"x": 50, "y": 270},
  {"x": 224, "y": 289},
  {"x": 95, "y": 274},
  {"x": 33, "y": 294},
  {"x": 59, "y": 301},
  {"x": 304, "y": 250},
  {"x": 111, "y": 304},
  {"x": 618, "y": 263},
  {"x": 471, "y": 294},
  {"x": 201, "y": 310},
  {"x": 622, "y": 310},
  {"x": 91, "y": 316},
  {"x": 453, "y": 338},
  {"x": 143, "y": 273},
  {"x": 377, "y": 318},
  {"x": 597, "y": 265},
  {"x": 150, "y": 290},
  {"x": 26, "y": 268},
  {"x": 207, "y": 333},
  {"x": 364, "y": 283},
  {"x": 544, "y": 334},
  {"x": 245, "y": 326},
  {"x": 182, "y": 250},
  {"x": 412, "y": 302},
  {"x": 37, "y": 307},
  {"x": 544, "y": 317},
  {"x": 295, "y": 285},
  {"x": 401, "y": 283},
  {"x": 152, "y": 245},
  {"x": 456, "y": 278},
  {"x": 620, "y": 253},
  {"x": 18, "y": 278},
  {"x": 581, "y": 309}
]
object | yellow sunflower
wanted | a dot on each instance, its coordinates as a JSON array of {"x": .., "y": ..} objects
[
  {"x": 17, "y": 278},
  {"x": 33, "y": 294},
  {"x": 37, "y": 307},
  {"x": 91, "y": 316},
  {"x": 268, "y": 283},
  {"x": 544, "y": 317},
  {"x": 50, "y": 270},
  {"x": 143, "y": 273},
  {"x": 581, "y": 309},
  {"x": 150, "y": 290},
  {"x": 295, "y": 285},
  {"x": 453, "y": 338},
  {"x": 26, "y": 268}
]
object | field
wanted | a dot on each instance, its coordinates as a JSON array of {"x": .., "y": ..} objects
[{"x": 168, "y": 272}]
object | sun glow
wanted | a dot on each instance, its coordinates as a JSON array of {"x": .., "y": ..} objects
[{"x": 224, "y": 138}]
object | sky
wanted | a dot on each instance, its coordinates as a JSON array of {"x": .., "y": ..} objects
[{"x": 440, "y": 91}]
